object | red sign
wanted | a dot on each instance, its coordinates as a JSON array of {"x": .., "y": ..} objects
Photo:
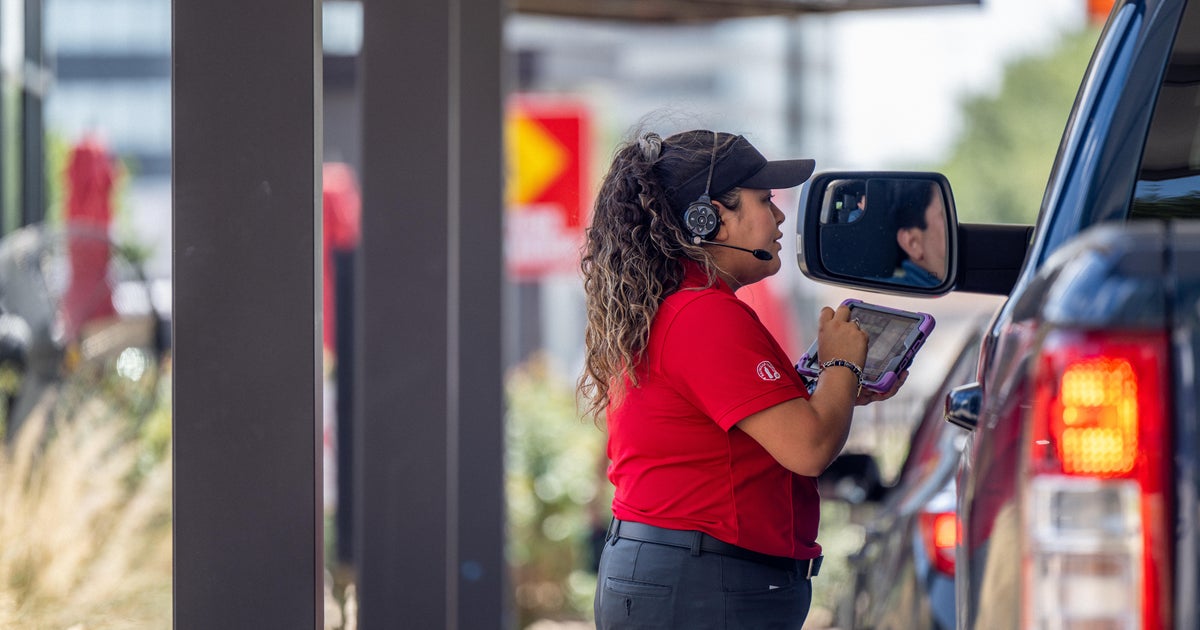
[{"x": 547, "y": 189}]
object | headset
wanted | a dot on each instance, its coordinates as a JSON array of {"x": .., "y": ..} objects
[
  {"x": 701, "y": 216},
  {"x": 702, "y": 220}
]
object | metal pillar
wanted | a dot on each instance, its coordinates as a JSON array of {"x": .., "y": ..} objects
[
  {"x": 247, "y": 334},
  {"x": 33, "y": 134},
  {"x": 430, "y": 496}
]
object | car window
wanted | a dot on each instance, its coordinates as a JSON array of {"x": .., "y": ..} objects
[{"x": 1169, "y": 179}]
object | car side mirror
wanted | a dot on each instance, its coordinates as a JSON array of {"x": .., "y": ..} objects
[{"x": 891, "y": 231}]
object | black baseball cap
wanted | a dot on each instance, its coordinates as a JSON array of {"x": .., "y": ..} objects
[{"x": 736, "y": 164}]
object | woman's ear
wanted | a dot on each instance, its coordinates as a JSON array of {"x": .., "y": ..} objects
[{"x": 722, "y": 230}]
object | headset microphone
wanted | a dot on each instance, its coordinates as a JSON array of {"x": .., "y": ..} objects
[{"x": 760, "y": 254}]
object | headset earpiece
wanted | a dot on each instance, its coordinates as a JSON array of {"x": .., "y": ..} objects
[{"x": 701, "y": 216}]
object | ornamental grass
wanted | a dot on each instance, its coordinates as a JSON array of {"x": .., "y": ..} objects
[{"x": 85, "y": 526}]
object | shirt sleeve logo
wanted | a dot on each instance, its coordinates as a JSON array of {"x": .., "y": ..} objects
[{"x": 767, "y": 372}]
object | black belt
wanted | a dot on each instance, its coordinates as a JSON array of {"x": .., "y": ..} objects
[{"x": 699, "y": 542}]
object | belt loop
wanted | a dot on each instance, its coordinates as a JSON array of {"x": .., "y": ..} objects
[
  {"x": 614, "y": 531},
  {"x": 697, "y": 538}
]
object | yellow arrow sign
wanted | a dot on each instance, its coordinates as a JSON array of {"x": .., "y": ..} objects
[{"x": 535, "y": 158}]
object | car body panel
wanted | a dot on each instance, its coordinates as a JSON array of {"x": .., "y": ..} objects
[
  {"x": 1184, "y": 290},
  {"x": 1110, "y": 278}
]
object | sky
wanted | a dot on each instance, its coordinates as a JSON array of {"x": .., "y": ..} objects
[{"x": 906, "y": 71}]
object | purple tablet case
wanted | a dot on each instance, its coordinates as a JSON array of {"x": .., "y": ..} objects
[{"x": 895, "y": 337}]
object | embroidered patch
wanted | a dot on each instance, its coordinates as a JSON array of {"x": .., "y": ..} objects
[{"x": 767, "y": 372}]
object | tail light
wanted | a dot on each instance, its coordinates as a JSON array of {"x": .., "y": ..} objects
[
  {"x": 1097, "y": 554},
  {"x": 939, "y": 531}
]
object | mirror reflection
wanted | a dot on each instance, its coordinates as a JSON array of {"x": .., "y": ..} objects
[{"x": 890, "y": 229}]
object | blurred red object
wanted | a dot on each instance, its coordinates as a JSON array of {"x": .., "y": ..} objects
[
  {"x": 89, "y": 184},
  {"x": 342, "y": 227}
]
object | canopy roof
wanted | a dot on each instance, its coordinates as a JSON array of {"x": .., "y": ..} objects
[{"x": 701, "y": 10}]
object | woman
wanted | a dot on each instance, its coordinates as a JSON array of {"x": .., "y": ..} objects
[{"x": 714, "y": 440}]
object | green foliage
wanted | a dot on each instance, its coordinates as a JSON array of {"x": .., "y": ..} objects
[
  {"x": 1001, "y": 162},
  {"x": 58, "y": 152},
  {"x": 556, "y": 496}
]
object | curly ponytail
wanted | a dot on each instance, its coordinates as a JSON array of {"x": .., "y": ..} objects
[{"x": 632, "y": 259}]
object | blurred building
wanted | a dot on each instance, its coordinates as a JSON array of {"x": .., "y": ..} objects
[
  {"x": 111, "y": 61},
  {"x": 110, "y": 68},
  {"x": 109, "y": 64},
  {"x": 755, "y": 75},
  {"x": 759, "y": 76}
]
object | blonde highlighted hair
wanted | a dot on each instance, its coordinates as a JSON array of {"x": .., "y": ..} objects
[{"x": 633, "y": 256}]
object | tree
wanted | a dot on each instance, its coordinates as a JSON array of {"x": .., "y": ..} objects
[{"x": 1000, "y": 163}]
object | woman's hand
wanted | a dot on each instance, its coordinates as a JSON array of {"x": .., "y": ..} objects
[
  {"x": 866, "y": 396},
  {"x": 840, "y": 338}
]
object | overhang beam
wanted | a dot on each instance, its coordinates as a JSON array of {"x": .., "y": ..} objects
[{"x": 666, "y": 11}]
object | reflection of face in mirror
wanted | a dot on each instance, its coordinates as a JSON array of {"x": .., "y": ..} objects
[
  {"x": 918, "y": 213},
  {"x": 889, "y": 229}
]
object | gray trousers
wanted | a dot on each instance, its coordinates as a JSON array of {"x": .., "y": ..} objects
[{"x": 648, "y": 585}]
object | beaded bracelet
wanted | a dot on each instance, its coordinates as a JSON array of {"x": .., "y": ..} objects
[{"x": 858, "y": 373}]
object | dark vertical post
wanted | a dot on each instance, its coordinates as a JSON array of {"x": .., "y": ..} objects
[
  {"x": 345, "y": 264},
  {"x": 430, "y": 497},
  {"x": 9, "y": 212},
  {"x": 477, "y": 95},
  {"x": 403, "y": 520},
  {"x": 33, "y": 133},
  {"x": 247, "y": 336}
]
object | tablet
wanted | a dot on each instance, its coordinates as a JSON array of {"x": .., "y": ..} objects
[{"x": 895, "y": 336}]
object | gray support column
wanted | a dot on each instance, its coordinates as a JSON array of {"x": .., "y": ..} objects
[
  {"x": 33, "y": 133},
  {"x": 10, "y": 209},
  {"x": 430, "y": 497},
  {"x": 247, "y": 287},
  {"x": 478, "y": 91}
]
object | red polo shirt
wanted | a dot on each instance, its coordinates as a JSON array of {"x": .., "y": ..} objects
[{"x": 677, "y": 460}]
